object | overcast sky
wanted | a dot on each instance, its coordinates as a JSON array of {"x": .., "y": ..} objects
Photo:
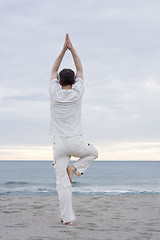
[{"x": 118, "y": 42}]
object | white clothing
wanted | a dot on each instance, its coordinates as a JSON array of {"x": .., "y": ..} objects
[
  {"x": 64, "y": 148},
  {"x": 65, "y": 109},
  {"x": 65, "y": 127}
]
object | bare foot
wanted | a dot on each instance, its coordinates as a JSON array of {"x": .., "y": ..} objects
[
  {"x": 69, "y": 223},
  {"x": 70, "y": 171},
  {"x": 77, "y": 173}
]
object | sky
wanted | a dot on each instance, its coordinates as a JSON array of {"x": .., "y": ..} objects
[{"x": 118, "y": 42}]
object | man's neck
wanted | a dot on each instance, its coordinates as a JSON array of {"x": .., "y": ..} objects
[{"x": 67, "y": 87}]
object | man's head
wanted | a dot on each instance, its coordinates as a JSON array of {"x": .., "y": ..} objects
[{"x": 67, "y": 77}]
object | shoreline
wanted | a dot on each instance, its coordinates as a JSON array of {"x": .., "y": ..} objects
[{"x": 97, "y": 217}]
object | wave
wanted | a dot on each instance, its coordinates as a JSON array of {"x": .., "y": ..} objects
[
  {"x": 34, "y": 190},
  {"x": 13, "y": 188},
  {"x": 114, "y": 192},
  {"x": 19, "y": 188},
  {"x": 104, "y": 190},
  {"x": 16, "y": 183}
]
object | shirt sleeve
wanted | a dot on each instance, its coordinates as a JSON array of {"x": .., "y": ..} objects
[
  {"x": 79, "y": 85},
  {"x": 53, "y": 85}
]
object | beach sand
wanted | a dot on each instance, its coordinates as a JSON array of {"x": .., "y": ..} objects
[{"x": 97, "y": 217}]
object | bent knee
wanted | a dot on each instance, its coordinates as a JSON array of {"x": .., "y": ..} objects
[{"x": 95, "y": 153}]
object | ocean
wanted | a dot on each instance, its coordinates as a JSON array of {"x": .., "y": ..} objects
[{"x": 36, "y": 178}]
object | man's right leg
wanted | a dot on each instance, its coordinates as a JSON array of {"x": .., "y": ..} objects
[
  {"x": 83, "y": 163},
  {"x": 86, "y": 152}
]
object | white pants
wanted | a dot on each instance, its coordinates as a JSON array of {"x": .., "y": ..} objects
[{"x": 64, "y": 148}]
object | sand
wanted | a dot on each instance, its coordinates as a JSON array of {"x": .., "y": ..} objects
[{"x": 97, "y": 217}]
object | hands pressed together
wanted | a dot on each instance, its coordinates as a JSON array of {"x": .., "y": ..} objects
[
  {"x": 77, "y": 61},
  {"x": 67, "y": 43}
]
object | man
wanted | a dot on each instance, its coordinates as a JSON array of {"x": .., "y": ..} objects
[{"x": 66, "y": 91}]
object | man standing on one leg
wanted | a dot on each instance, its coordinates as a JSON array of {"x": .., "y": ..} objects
[{"x": 66, "y": 91}]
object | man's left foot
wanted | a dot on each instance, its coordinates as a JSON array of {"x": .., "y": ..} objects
[
  {"x": 67, "y": 223},
  {"x": 70, "y": 171}
]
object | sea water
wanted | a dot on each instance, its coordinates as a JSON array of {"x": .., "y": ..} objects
[{"x": 28, "y": 178}]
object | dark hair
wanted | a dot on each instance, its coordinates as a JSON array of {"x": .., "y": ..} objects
[{"x": 67, "y": 77}]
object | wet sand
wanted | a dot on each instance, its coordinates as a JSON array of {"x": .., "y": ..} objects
[{"x": 97, "y": 217}]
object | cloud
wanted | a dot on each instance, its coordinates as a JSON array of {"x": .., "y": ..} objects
[
  {"x": 118, "y": 43},
  {"x": 133, "y": 151},
  {"x": 33, "y": 97},
  {"x": 108, "y": 151}
]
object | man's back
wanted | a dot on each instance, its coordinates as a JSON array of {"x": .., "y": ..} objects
[{"x": 66, "y": 109}]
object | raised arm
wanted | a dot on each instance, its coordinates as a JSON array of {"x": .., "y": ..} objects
[
  {"x": 77, "y": 61},
  {"x": 58, "y": 60}
]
